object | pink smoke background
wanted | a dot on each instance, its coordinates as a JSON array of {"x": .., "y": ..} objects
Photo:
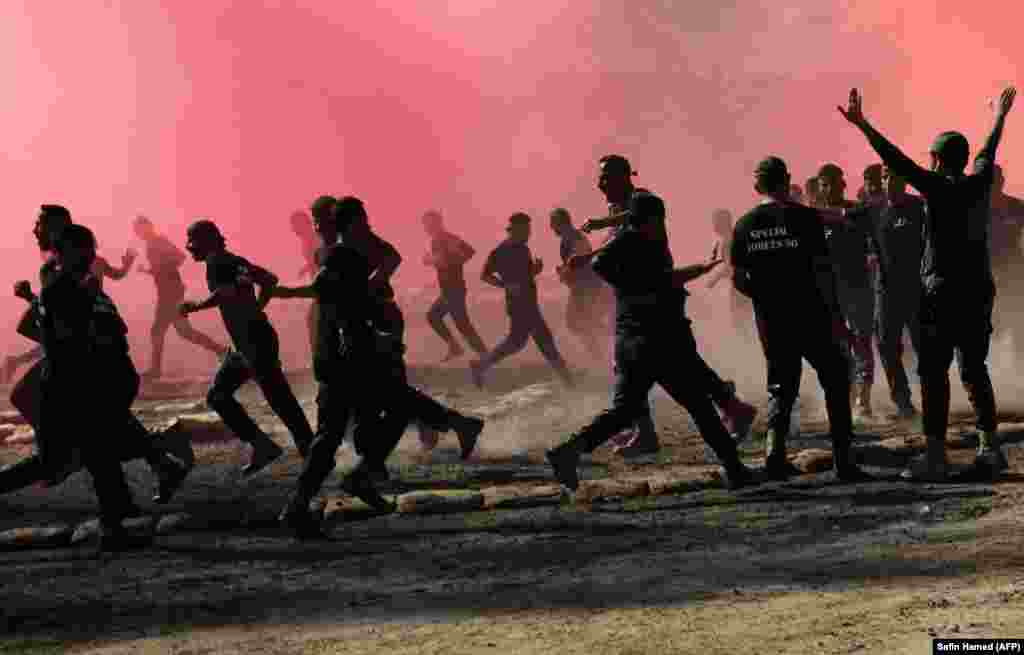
[{"x": 245, "y": 111}]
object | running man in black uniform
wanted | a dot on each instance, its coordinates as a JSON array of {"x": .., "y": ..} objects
[
  {"x": 512, "y": 267},
  {"x": 359, "y": 365},
  {"x": 781, "y": 262},
  {"x": 449, "y": 254},
  {"x": 231, "y": 280},
  {"x": 653, "y": 342},
  {"x": 956, "y": 273},
  {"x": 164, "y": 261},
  {"x": 616, "y": 183}
]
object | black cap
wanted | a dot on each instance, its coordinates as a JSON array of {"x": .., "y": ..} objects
[
  {"x": 518, "y": 218},
  {"x": 830, "y": 172},
  {"x": 772, "y": 167},
  {"x": 618, "y": 163},
  {"x": 322, "y": 206}
]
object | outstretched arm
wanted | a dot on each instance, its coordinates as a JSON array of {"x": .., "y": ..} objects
[
  {"x": 898, "y": 163},
  {"x": 681, "y": 276},
  {"x": 986, "y": 158}
]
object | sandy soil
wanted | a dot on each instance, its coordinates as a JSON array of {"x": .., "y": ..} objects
[{"x": 805, "y": 566}]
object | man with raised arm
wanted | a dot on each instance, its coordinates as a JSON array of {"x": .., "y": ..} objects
[{"x": 956, "y": 273}]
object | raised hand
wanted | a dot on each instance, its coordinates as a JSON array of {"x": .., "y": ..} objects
[
  {"x": 1005, "y": 103},
  {"x": 854, "y": 112},
  {"x": 715, "y": 259}
]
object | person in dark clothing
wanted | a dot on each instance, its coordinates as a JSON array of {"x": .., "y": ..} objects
[
  {"x": 449, "y": 254},
  {"x": 164, "y": 261},
  {"x": 616, "y": 184},
  {"x": 781, "y": 262},
  {"x": 896, "y": 239},
  {"x": 588, "y": 295},
  {"x": 82, "y": 332},
  {"x": 653, "y": 340},
  {"x": 513, "y": 268},
  {"x": 354, "y": 336},
  {"x": 848, "y": 246},
  {"x": 384, "y": 260},
  {"x": 1005, "y": 237},
  {"x": 956, "y": 275},
  {"x": 101, "y": 269},
  {"x": 231, "y": 281}
]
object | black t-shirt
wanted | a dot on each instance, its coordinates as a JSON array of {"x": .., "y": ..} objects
[
  {"x": 513, "y": 263},
  {"x": 848, "y": 246},
  {"x": 165, "y": 259},
  {"x": 345, "y": 308},
  {"x": 638, "y": 269},
  {"x": 66, "y": 308},
  {"x": 244, "y": 320},
  {"x": 450, "y": 254},
  {"x": 376, "y": 251},
  {"x": 777, "y": 248},
  {"x": 956, "y": 226},
  {"x": 897, "y": 235}
]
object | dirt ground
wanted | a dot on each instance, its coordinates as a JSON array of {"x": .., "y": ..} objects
[{"x": 810, "y": 565}]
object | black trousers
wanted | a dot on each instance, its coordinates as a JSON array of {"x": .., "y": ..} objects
[
  {"x": 960, "y": 321},
  {"x": 669, "y": 358},
  {"x": 261, "y": 364},
  {"x": 787, "y": 340},
  {"x": 452, "y": 302},
  {"x": 124, "y": 435},
  {"x": 526, "y": 321},
  {"x": 380, "y": 407},
  {"x": 896, "y": 309}
]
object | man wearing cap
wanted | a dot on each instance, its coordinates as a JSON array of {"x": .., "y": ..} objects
[
  {"x": 653, "y": 341},
  {"x": 512, "y": 267},
  {"x": 232, "y": 280},
  {"x": 1007, "y": 263},
  {"x": 956, "y": 273},
  {"x": 896, "y": 236},
  {"x": 616, "y": 183},
  {"x": 449, "y": 254},
  {"x": 165, "y": 259},
  {"x": 781, "y": 262},
  {"x": 848, "y": 246}
]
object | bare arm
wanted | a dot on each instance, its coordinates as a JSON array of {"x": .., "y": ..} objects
[
  {"x": 681, "y": 276},
  {"x": 986, "y": 157},
  {"x": 894, "y": 159}
]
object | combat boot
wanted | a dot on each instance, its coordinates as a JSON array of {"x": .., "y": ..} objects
[
  {"x": 564, "y": 460},
  {"x": 303, "y": 524},
  {"x": 842, "y": 461},
  {"x": 990, "y": 461},
  {"x": 468, "y": 429},
  {"x": 930, "y": 467},
  {"x": 263, "y": 454},
  {"x": 738, "y": 417},
  {"x": 776, "y": 466}
]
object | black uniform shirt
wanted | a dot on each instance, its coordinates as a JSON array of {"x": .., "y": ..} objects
[
  {"x": 775, "y": 252},
  {"x": 344, "y": 308},
  {"x": 897, "y": 236},
  {"x": 513, "y": 263},
  {"x": 956, "y": 226},
  {"x": 244, "y": 320},
  {"x": 848, "y": 246}
]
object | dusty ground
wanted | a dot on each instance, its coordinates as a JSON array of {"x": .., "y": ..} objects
[{"x": 806, "y": 566}]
